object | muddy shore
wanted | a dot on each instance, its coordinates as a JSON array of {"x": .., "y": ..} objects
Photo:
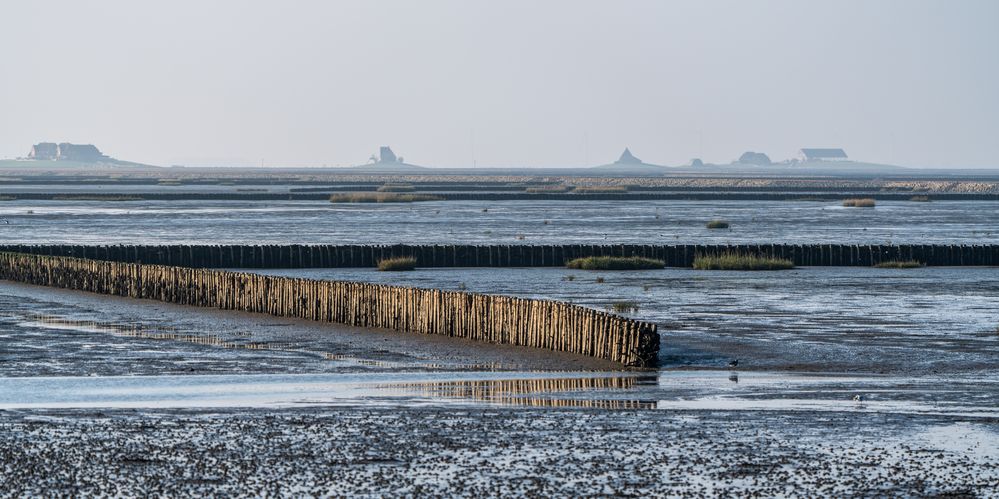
[{"x": 490, "y": 452}]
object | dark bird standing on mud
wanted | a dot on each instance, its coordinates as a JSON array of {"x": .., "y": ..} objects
[{"x": 733, "y": 364}]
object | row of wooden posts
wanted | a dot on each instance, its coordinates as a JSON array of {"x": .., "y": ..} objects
[
  {"x": 505, "y": 320},
  {"x": 336, "y": 256}
]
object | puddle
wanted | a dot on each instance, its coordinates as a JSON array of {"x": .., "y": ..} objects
[{"x": 284, "y": 390}]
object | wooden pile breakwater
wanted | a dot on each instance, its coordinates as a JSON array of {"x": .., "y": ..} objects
[
  {"x": 337, "y": 256},
  {"x": 504, "y": 320}
]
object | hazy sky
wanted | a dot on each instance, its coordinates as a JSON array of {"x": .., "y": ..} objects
[{"x": 502, "y": 83}]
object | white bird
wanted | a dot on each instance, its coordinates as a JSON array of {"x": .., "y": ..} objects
[{"x": 858, "y": 398}]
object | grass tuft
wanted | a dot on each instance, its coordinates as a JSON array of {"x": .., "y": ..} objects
[
  {"x": 859, "y": 202},
  {"x": 736, "y": 261},
  {"x": 717, "y": 224},
  {"x": 381, "y": 197},
  {"x": 900, "y": 264},
  {"x": 623, "y": 307},
  {"x": 615, "y": 263},
  {"x": 397, "y": 263}
]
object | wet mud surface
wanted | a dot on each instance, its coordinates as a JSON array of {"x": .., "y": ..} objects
[{"x": 490, "y": 452}]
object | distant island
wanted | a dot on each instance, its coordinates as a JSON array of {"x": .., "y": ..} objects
[
  {"x": 50, "y": 151},
  {"x": 65, "y": 154}
]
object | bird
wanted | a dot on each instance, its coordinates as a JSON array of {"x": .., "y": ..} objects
[
  {"x": 734, "y": 363},
  {"x": 858, "y": 398}
]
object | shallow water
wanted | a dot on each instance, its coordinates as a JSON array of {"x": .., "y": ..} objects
[
  {"x": 494, "y": 222},
  {"x": 671, "y": 390}
]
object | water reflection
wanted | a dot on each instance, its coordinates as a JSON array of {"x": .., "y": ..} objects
[{"x": 528, "y": 392}]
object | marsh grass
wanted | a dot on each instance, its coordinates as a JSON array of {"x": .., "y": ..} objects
[
  {"x": 396, "y": 264},
  {"x": 623, "y": 307},
  {"x": 899, "y": 264},
  {"x": 859, "y": 202},
  {"x": 737, "y": 261},
  {"x": 920, "y": 199},
  {"x": 717, "y": 224},
  {"x": 7, "y": 198},
  {"x": 396, "y": 188},
  {"x": 615, "y": 263},
  {"x": 381, "y": 197},
  {"x": 601, "y": 189}
]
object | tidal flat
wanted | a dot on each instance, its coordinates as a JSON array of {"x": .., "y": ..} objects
[
  {"x": 849, "y": 381},
  {"x": 495, "y": 222},
  {"x": 116, "y": 396}
]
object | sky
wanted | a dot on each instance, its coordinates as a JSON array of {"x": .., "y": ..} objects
[{"x": 463, "y": 83}]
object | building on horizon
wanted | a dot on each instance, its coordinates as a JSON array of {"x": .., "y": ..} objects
[{"x": 822, "y": 155}]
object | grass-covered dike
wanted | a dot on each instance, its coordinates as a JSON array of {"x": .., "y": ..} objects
[
  {"x": 859, "y": 203},
  {"x": 900, "y": 264},
  {"x": 615, "y": 263},
  {"x": 737, "y": 261},
  {"x": 397, "y": 264}
]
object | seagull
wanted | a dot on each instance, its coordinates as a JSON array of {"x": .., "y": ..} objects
[
  {"x": 733, "y": 364},
  {"x": 858, "y": 398}
]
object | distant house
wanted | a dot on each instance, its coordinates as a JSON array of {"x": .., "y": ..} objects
[
  {"x": 822, "y": 155},
  {"x": 385, "y": 155},
  {"x": 627, "y": 158},
  {"x": 44, "y": 151}
]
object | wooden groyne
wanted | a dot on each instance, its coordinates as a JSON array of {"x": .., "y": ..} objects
[
  {"x": 337, "y": 256},
  {"x": 495, "y": 319}
]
